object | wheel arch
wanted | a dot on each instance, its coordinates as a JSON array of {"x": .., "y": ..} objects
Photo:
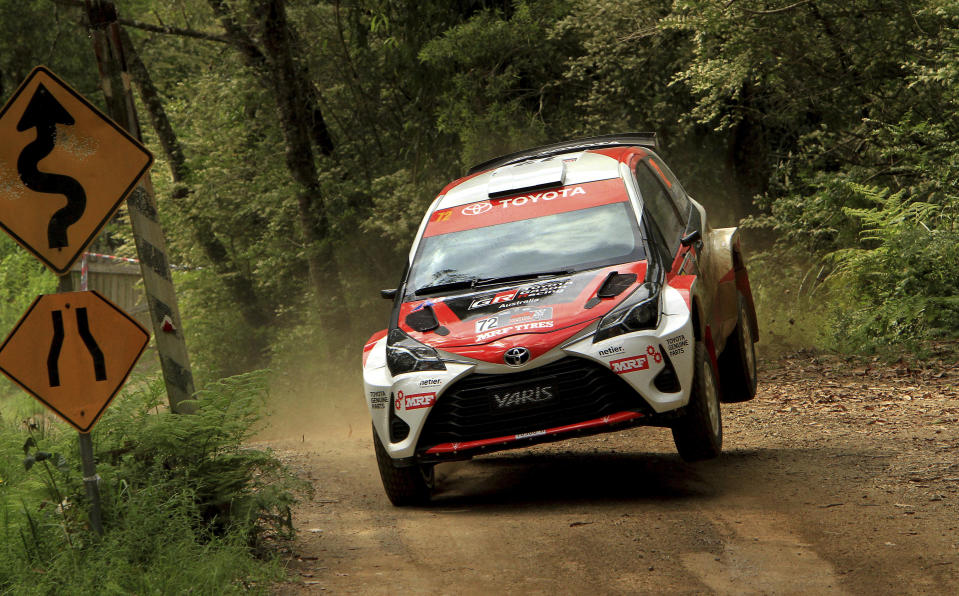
[
  {"x": 729, "y": 265},
  {"x": 742, "y": 284}
]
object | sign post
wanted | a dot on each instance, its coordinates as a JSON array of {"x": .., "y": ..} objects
[{"x": 88, "y": 466}]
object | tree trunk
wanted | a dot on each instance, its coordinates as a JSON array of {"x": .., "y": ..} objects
[
  {"x": 298, "y": 119},
  {"x": 305, "y": 133},
  {"x": 240, "y": 285}
]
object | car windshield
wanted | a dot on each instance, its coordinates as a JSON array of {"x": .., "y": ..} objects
[{"x": 562, "y": 242}]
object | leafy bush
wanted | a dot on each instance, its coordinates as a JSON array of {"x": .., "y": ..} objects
[
  {"x": 22, "y": 277},
  {"x": 188, "y": 505},
  {"x": 903, "y": 281}
]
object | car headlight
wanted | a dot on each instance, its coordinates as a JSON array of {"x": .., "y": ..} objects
[
  {"x": 639, "y": 311},
  {"x": 404, "y": 354}
]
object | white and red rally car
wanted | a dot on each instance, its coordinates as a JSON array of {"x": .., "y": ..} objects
[{"x": 566, "y": 290}]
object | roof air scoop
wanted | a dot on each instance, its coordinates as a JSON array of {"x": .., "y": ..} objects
[{"x": 526, "y": 176}]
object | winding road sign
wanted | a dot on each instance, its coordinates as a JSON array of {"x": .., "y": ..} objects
[
  {"x": 65, "y": 167},
  {"x": 73, "y": 351}
]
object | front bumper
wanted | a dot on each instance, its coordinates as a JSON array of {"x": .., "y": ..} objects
[{"x": 578, "y": 388}]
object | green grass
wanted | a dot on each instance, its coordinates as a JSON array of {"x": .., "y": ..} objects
[
  {"x": 188, "y": 507},
  {"x": 792, "y": 305}
]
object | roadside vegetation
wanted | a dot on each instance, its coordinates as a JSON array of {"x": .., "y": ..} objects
[
  {"x": 298, "y": 144},
  {"x": 187, "y": 504}
]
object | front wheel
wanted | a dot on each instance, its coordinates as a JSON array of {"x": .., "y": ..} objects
[
  {"x": 411, "y": 485},
  {"x": 737, "y": 363},
  {"x": 699, "y": 433}
]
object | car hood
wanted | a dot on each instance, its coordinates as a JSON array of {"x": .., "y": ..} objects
[{"x": 538, "y": 315}]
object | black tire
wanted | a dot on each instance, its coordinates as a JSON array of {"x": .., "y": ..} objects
[
  {"x": 699, "y": 433},
  {"x": 737, "y": 363},
  {"x": 410, "y": 485}
]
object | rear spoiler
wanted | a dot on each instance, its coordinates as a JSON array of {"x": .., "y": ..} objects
[{"x": 623, "y": 139}]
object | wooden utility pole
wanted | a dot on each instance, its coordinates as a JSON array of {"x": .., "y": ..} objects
[{"x": 115, "y": 81}]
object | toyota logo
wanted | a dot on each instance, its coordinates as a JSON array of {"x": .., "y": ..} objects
[
  {"x": 516, "y": 356},
  {"x": 477, "y": 208}
]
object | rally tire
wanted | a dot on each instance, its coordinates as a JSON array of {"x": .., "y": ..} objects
[
  {"x": 698, "y": 434},
  {"x": 737, "y": 363},
  {"x": 411, "y": 485}
]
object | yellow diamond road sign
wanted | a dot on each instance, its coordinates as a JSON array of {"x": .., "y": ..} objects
[
  {"x": 65, "y": 167},
  {"x": 73, "y": 351}
]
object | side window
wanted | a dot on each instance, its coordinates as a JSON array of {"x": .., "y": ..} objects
[
  {"x": 659, "y": 204},
  {"x": 672, "y": 183}
]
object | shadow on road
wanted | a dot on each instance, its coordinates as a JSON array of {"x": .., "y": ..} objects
[{"x": 560, "y": 479}]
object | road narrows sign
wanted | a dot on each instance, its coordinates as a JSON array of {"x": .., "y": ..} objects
[
  {"x": 65, "y": 168},
  {"x": 73, "y": 351}
]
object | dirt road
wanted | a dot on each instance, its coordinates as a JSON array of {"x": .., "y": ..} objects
[{"x": 838, "y": 478}]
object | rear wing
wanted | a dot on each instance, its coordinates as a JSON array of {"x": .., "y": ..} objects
[{"x": 624, "y": 139}]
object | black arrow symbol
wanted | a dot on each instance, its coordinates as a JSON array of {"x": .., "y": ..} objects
[
  {"x": 44, "y": 112},
  {"x": 56, "y": 345},
  {"x": 53, "y": 358}
]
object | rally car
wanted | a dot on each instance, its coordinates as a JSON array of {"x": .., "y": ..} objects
[{"x": 565, "y": 290}]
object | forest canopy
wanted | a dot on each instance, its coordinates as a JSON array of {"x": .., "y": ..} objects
[{"x": 298, "y": 142}]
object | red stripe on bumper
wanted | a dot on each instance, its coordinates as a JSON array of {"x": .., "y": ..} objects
[{"x": 605, "y": 420}]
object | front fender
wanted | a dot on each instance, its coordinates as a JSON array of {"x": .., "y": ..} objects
[{"x": 728, "y": 267}]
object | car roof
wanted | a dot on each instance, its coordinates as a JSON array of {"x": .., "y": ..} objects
[
  {"x": 623, "y": 139},
  {"x": 535, "y": 174}
]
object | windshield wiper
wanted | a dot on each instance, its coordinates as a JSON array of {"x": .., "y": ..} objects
[
  {"x": 488, "y": 281},
  {"x": 450, "y": 285}
]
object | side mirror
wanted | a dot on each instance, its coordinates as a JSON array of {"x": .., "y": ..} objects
[
  {"x": 388, "y": 294},
  {"x": 691, "y": 238}
]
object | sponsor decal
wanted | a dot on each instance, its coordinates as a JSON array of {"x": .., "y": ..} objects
[
  {"x": 528, "y": 315},
  {"x": 612, "y": 350},
  {"x": 530, "y": 199},
  {"x": 430, "y": 382},
  {"x": 523, "y": 397},
  {"x": 472, "y": 209},
  {"x": 507, "y": 299},
  {"x": 537, "y": 433},
  {"x": 517, "y": 356},
  {"x": 414, "y": 401},
  {"x": 526, "y": 206},
  {"x": 536, "y": 204},
  {"x": 542, "y": 196},
  {"x": 527, "y": 299},
  {"x": 521, "y": 302},
  {"x": 514, "y": 329},
  {"x": 513, "y": 317},
  {"x": 656, "y": 356},
  {"x": 677, "y": 345},
  {"x": 630, "y": 364},
  {"x": 431, "y": 302},
  {"x": 378, "y": 400}
]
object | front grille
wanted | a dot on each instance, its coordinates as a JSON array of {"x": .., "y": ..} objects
[{"x": 581, "y": 390}]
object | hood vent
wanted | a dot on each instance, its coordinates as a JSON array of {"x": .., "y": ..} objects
[
  {"x": 616, "y": 284},
  {"x": 526, "y": 176},
  {"x": 423, "y": 320}
]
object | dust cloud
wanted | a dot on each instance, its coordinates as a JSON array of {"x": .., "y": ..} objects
[{"x": 317, "y": 407}]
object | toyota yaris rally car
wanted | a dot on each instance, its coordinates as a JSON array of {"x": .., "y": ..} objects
[{"x": 566, "y": 290}]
